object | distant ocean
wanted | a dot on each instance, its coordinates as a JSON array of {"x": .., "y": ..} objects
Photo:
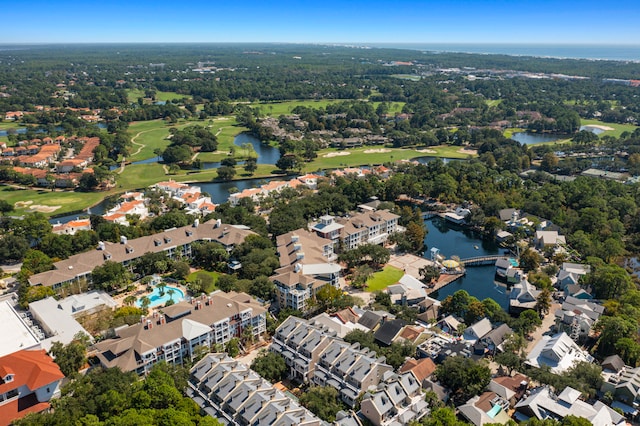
[{"x": 573, "y": 51}]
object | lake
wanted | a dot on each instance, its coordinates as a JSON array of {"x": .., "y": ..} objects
[
  {"x": 266, "y": 154},
  {"x": 453, "y": 240},
  {"x": 527, "y": 138}
]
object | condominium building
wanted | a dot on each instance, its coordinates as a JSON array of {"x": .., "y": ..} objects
[
  {"x": 174, "y": 243},
  {"x": 227, "y": 389},
  {"x": 307, "y": 264},
  {"x": 315, "y": 355},
  {"x": 368, "y": 227},
  {"x": 175, "y": 332}
]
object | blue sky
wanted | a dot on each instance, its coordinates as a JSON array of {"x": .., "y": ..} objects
[{"x": 323, "y": 21}]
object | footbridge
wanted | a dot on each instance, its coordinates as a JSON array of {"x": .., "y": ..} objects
[{"x": 481, "y": 260}]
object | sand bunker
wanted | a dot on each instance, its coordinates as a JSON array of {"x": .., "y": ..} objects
[
  {"x": 35, "y": 207},
  {"x": 468, "y": 151},
  {"x": 597, "y": 126},
  {"x": 336, "y": 154},
  {"x": 427, "y": 151},
  {"x": 43, "y": 209},
  {"x": 376, "y": 151}
]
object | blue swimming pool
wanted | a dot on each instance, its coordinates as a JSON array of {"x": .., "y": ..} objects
[{"x": 157, "y": 299}]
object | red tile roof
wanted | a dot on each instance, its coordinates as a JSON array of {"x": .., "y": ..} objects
[
  {"x": 34, "y": 369},
  {"x": 18, "y": 408}
]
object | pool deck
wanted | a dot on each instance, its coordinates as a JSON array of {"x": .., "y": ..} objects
[{"x": 141, "y": 290}]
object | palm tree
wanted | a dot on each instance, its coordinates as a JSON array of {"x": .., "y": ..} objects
[
  {"x": 145, "y": 302},
  {"x": 161, "y": 286},
  {"x": 129, "y": 300},
  {"x": 171, "y": 292}
]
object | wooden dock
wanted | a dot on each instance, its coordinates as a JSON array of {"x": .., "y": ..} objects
[{"x": 443, "y": 281}]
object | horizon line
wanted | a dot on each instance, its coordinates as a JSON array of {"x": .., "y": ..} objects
[{"x": 327, "y": 43}]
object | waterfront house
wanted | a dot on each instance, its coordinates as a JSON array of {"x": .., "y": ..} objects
[
  {"x": 408, "y": 291},
  {"x": 523, "y": 296},
  {"x": 71, "y": 227}
]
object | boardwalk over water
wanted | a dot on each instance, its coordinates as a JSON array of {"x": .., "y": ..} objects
[{"x": 482, "y": 260}]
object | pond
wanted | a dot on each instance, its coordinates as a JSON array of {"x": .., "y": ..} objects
[
  {"x": 453, "y": 240},
  {"x": 266, "y": 154},
  {"x": 527, "y": 138},
  {"x": 428, "y": 159}
]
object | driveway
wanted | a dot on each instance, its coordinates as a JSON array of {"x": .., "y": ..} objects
[{"x": 548, "y": 321}]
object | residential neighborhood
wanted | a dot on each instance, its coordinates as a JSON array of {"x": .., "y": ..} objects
[{"x": 318, "y": 234}]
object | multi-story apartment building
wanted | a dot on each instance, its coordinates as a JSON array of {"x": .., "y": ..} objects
[
  {"x": 314, "y": 355},
  {"x": 173, "y": 242},
  {"x": 368, "y": 227},
  {"x": 306, "y": 262},
  {"x": 229, "y": 390},
  {"x": 173, "y": 333}
]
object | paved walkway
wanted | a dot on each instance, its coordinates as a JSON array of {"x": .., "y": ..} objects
[
  {"x": 410, "y": 263},
  {"x": 248, "y": 358}
]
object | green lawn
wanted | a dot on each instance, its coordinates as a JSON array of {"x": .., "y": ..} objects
[
  {"x": 493, "y": 102},
  {"x": 511, "y": 130},
  {"x": 411, "y": 77},
  {"x": 67, "y": 201},
  {"x": 193, "y": 276},
  {"x": 394, "y": 107},
  {"x": 618, "y": 129},
  {"x": 134, "y": 94},
  {"x": 147, "y": 136},
  {"x": 358, "y": 156},
  {"x": 275, "y": 109},
  {"x": 6, "y": 125},
  {"x": 382, "y": 279}
]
